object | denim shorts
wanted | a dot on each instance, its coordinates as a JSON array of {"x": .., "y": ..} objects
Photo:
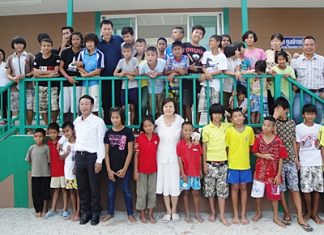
[{"x": 193, "y": 182}]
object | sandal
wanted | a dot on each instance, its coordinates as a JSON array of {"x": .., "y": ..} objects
[
  {"x": 286, "y": 221},
  {"x": 166, "y": 218},
  {"x": 175, "y": 218},
  {"x": 306, "y": 227}
]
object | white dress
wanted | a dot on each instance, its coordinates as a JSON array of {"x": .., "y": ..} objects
[{"x": 168, "y": 174}]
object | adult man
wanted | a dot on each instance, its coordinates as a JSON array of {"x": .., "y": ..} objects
[
  {"x": 309, "y": 69},
  {"x": 110, "y": 45},
  {"x": 90, "y": 151}
]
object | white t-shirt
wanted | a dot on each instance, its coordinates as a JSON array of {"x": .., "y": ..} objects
[
  {"x": 214, "y": 63},
  {"x": 3, "y": 75},
  {"x": 309, "y": 153},
  {"x": 228, "y": 82},
  {"x": 69, "y": 162},
  {"x": 129, "y": 66}
]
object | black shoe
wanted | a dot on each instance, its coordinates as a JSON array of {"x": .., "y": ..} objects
[
  {"x": 84, "y": 219},
  {"x": 95, "y": 220}
]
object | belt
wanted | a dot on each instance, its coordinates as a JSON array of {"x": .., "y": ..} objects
[
  {"x": 317, "y": 90},
  {"x": 217, "y": 163},
  {"x": 84, "y": 153}
]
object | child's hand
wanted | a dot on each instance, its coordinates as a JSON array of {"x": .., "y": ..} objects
[
  {"x": 121, "y": 173},
  {"x": 202, "y": 77},
  {"x": 286, "y": 75},
  {"x": 181, "y": 71},
  {"x": 58, "y": 147},
  {"x": 121, "y": 74},
  {"x": 297, "y": 164},
  {"x": 268, "y": 156},
  {"x": 277, "y": 180},
  {"x": 276, "y": 113},
  {"x": 130, "y": 77},
  {"x": 205, "y": 166},
  {"x": 111, "y": 175},
  {"x": 238, "y": 75},
  {"x": 171, "y": 77},
  {"x": 184, "y": 178},
  {"x": 78, "y": 63},
  {"x": 68, "y": 149},
  {"x": 136, "y": 176}
]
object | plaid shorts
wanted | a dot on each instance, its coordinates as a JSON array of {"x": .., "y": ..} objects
[
  {"x": 289, "y": 177},
  {"x": 213, "y": 98},
  {"x": 215, "y": 181},
  {"x": 311, "y": 179},
  {"x": 14, "y": 100},
  {"x": 43, "y": 99}
]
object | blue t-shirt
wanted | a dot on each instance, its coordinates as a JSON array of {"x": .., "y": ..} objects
[{"x": 168, "y": 52}]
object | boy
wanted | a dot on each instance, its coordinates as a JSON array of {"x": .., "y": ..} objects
[
  {"x": 269, "y": 150},
  {"x": 127, "y": 33},
  {"x": 176, "y": 65},
  {"x": 176, "y": 35},
  {"x": 154, "y": 67},
  {"x": 239, "y": 138},
  {"x": 286, "y": 131},
  {"x": 127, "y": 67},
  {"x": 161, "y": 45},
  {"x": 195, "y": 53},
  {"x": 38, "y": 155},
  {"x": 57, "y": 171},
  {"x": 214, "y": 162},
  {"x": 90, "y": 63},
  {"x": 311, "y": 174},
  {"x": 47, "y": 66},
  {"x": 66, "y": 38},
  {"x": 19, "y": 66}
]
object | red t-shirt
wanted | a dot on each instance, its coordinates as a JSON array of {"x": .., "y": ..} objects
[
  {"x": 266, "y": 170},
  {"x": 57, "y": 165},
  {"x": 191, "y": 158},
  {"x": 147, "y": 153}
]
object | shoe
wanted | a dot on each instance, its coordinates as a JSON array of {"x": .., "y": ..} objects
[
  {"x": 85, "y": 219},
  {"x": 50, "y": 214},
  {"x": 66, "y": 214},
  {"x": 95, "y": 220},
  {"x": 166, "y": 218},
  {"x": 175, "y": 218}
]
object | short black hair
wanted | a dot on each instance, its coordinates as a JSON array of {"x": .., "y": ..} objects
[
  {"x": 217, "y": 38},
  {"x": 309, "y": 37},
  {"x": 126, "y": 30},
  {"x": 54, "y": 126},
  {"x": 199, "y": 27},
  {"x": 40, "y": 36},
  {"x": 141, "y": 40},
  {"x": 120, "y": 111},
  {"x": 47, "y": 40},
  {"x": 163, "y": 39},
  {"x": 68, "y": 124},
  {"x": 229, "y": 50},
  {"x": 216, "y": 108},
  {"x": 106, "y": 21},
  {"x": 260, "y": 66},
  {"x": 87, "y": 97},
  {"x": 127, "y": 46},
  {"x": 283, "y": 54},
  {"x": 177, "y": 44},
  {"x": 241, "y": 89},
  {"x": 278, "y": 36},
  {"x": 237, "y": 110},
  {"x": 4, "y": 54},
  {"x": 270, "y": 119},
  {"x": 247, "y": 33},
  {"x": 18, "y": 40},
  {"x": 186, "y": 123},
  {"x": 78, "y": 34},
  {"x": 146, "y": 118},
  {"x": 153, "y": 49},
  {"x": 309, "y": 108},
  {"x": 68, "y": 27},
  {"x": 281, "y": 102},
  {"x": 227, "y": 36},
  {"x": 40, "y": 130},
  {"x": 180, "y": 28},
  {"x": 91, "y": 37}
]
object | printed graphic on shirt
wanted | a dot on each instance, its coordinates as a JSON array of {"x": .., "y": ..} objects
[
  {"x": 118, "y": 140},
  {"x": 309, "y": 142}
]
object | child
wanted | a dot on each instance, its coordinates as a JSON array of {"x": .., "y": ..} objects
[
  {"x": 145, "y": 168},
  {"x": 254, "y": 54},
  {"x": 214, "y": 162},
  {"x": 241, "y": 100},
  {"x": 47, "y": 66},
  {"x": 57, "y": 172},
  {"x": 311, "y": 174},
  {"x": 178, "y": 64},
  {"x": 38, "y": 155},
  {"x": 161, "y": 46},
  {"x": 239, "y": 138},
  {"x": 127, "y": 33},
  {"x": 68, "y": 154},
  {"x": 176, "y": 35},
  {"x": 269, "y": 150},
  {"x": 214, "y": 63},
  {"x": 190, "y": 170},
  {"x": 154, "y": 67},
  {"x": 256, "y": 102},
  {"x": 90, "y": 63},
  {"x": 119, "y": 142},
  {"x": 127, "y": 67},
  {"x": 285, "y": 129}
]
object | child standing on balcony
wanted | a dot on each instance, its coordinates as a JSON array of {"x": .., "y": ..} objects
[
  {"x": 127, "y": 67},
  {"x": 38, "y": 155},
  {"x": 90, "y": 63},
  {"x": 176, "y": 35}
]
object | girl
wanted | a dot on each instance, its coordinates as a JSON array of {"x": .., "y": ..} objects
[
  {"x": 3, "y": 82},
  {"x": 241, "y": 100},
  {"x": 68, "y": 153},
  {"x": 119, "y": 142},
  {"x": 169, "y": 129},
  {"x": 251, "y": 52},
  {"x": 161, "y": 46},
  {"x": 145, "y": 168},
  {"x": 226, "y": 40}
]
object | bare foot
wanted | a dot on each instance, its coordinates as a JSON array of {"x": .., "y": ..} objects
[
  {"x": 106, "y": 218},
  {"x": 317, "y": 219},
  {"x": 131, "y": 219},
  {"x": 235, "y": 220},
  {"x": 143, "y": 219},
  {"x": 224, "y": 221},
  {"x": 199, "y": 219},
  {"x": 38, "y": 215},
  {"x": 76, "y": 218},
  {"x": 244, "y": 220},
  {"x": 212, "y": 217},
  {"x": 188, "y": 219},
  {"x": 279, "y": 223},
  {"x": 256, "y": 217},
  {"x": 152, "y": 219},
  {"x": 307, "y": 216}
]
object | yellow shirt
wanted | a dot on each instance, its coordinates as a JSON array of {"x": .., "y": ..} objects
[
  {"x": 238, "y": 144},
  {"x": 320, "y": 137},
  {"x": 144, "y": 82},
  {"x": 215, "y": 138}
]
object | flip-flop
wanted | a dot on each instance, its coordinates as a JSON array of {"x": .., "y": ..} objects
[
  {"x": 166, "y": 218},
  {"x": 306, "y": 227},
  {"x": 286, "y": 221}
]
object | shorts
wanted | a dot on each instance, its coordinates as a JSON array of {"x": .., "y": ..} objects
[
  {"x": 215, "y": 181},
  {"x": 187, "y": 97},
  {"x": 68, "y": 100},
  {"x": 256, "y": 103},
  {"x": 43, "y": 99},
  {"x": 14, "y": 100},
  {"x": 193, "y": 182},
  {"x": 289, "y": 177},
  {"x": 71, "y": 184},
  {"x": 132, "y": 96},
  {"x": 213, "y": 98},
  {"x": 272, "y": 191},
  {"x": 239, "y": 176},
  {"x": 146, "y": 191},
  {"x": 311, "y": 179},
  {"x": 58, "y": 182},
  {"x": 94, "y": 93}
]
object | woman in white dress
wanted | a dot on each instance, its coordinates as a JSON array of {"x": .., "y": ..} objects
[{"x": 168, "y": 174}]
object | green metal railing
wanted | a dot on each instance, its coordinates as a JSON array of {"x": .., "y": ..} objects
[{"x": 12, "y": 126}]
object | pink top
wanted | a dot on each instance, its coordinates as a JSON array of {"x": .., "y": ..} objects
[{"x": 255, "y": 55}]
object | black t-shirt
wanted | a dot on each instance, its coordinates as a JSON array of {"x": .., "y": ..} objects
[
  {"x": 47, "y": 65},
  {"x": 68, "y": 56},
  {"x": 118, "y": 146},
  {"x": 54, "y": 51},
  {"x": 194, "y": 54}
]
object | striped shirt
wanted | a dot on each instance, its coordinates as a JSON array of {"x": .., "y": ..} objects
[{"x": 309, "y": 73}]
